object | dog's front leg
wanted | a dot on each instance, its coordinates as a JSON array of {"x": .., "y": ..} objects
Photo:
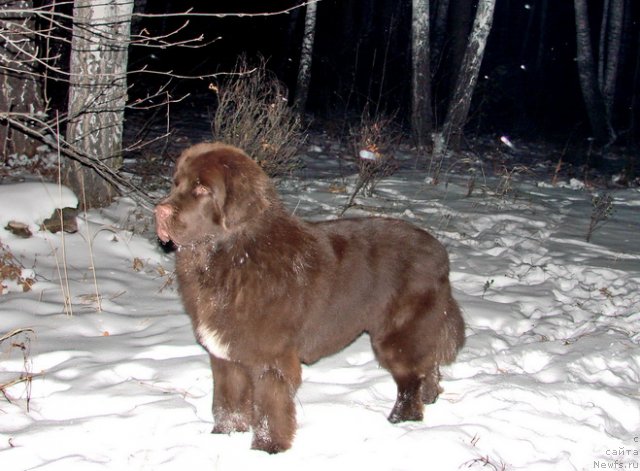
[
  {"x": 232, "y": 396},
  {"x": 274, "y": 411}
]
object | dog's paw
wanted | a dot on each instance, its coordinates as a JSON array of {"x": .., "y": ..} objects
[
  {"x": 227, "y": 429},
  {"x": 431, "y": 389},
  {"x": 406, "y": 409},
  {"x": 269, "y": 445},
  {"x": 270, "y": 439},
  {"x": 398, "y": 416},
  {"x": 429, "y": 395},
  {"x": 229, "y": 423}
]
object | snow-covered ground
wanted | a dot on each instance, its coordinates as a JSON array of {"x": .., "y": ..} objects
[{"x": 548, "y": 379}]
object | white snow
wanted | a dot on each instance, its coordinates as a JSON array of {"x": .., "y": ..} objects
[
  {"x": 548, "y": 379},
  {"x": 35, "y": 201},
  {"x": 365, "y": 154}
]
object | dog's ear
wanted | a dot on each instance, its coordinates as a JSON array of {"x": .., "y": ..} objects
[{"x": 215, "y": 188}]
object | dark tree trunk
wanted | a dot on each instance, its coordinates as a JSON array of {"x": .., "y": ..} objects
[
  {"x": 461, "y": 19},
  {"x": 634, "y": 106},
  {"x": 587, "y": 72},
  {"x": 542, "y": 41},
  {"x": 288, "y": 47},
  {"x": 611, "y": 59},
  {"x": 20, "y": 82},
  {"x": 539, "y": 77},
  {"x": 439, "y": 34}
]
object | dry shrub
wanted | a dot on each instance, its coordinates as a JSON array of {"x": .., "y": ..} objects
[
  {"x": 373, "y": 142},
  {"x": 11, "y": 270},
  {"x": 602, "y": 209},
  {"x": 18, "y": 339},
  {"x": 253, "y": 113}
]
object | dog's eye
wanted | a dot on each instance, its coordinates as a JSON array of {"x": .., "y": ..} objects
[{"x": 201, "y": 190}]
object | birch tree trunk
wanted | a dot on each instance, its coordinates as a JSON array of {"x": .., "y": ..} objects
[
  {"x": 604, "y": 22},
  {"x": 97, "y": 92},
  {"x": 421, "y": 113},
  {"x": 20, "y": 84},
  {"x": 306, "y": 58},
  {"x": 458, "y": 110}
]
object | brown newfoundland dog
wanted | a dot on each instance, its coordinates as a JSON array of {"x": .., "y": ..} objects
[{"x": 267, "y": 291}]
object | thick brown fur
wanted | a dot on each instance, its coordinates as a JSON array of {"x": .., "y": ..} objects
[{"x": 267, "y": 291}]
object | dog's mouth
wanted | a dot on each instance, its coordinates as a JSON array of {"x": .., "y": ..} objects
[
  {"x": 162, "y": 231},
  {"x": 175, "y": 238},
  {"x": 163, "y": 235}
]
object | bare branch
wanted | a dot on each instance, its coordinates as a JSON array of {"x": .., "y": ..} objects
[
  {"x": 49, "y": 136},
  {"x": 34, "y": 43},
  {"x": 192, "y": 13}
]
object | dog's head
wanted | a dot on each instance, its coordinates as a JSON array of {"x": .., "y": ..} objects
[{"x": 216, "y": 190}]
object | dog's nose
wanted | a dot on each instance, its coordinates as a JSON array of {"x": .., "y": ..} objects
[{"x": 164, "y": 213}]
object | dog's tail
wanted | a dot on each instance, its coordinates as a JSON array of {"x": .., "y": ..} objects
[{"x": 453, "y": 334}]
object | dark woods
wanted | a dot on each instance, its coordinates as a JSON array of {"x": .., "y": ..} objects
[
  {"x": 438, "y": 71},
  {"x": 529, "y": 83}
]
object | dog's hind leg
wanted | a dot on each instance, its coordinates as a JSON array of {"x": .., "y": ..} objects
[
  {"x": 399, "y": 358},
  {"x": 408, "y": 406},
  {"x": 418, "y": 337}
]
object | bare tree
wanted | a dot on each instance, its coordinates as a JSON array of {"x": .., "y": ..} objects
[
  {"x": 451, "y": 133},
  {"x": 20, "y": 84},
  {"x": 460, "y": 19},
  {"x": 542, "y": 41},
  {"x": 439, "y": 32},
  {"x": 421, "y": 113},
  {"x": 598, "y": 79},
  {"x": 306, "y": 58},
  {"x": 613, "y": 18},
  {"x": 97, "y": 91},
  {"x": 609, "y": 57},
  {"x": 587, "y": 71}
]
